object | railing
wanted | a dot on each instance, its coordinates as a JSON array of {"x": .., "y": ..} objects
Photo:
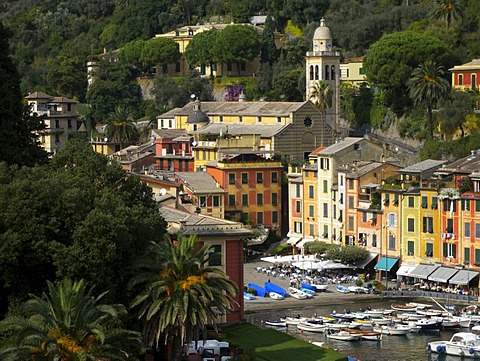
[{"x": 438, "y": 295}]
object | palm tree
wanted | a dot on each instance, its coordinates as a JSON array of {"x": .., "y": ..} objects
[
  {"x": 322, "y": 95},
  {"x": 121, "y": 127},
  {"x": 182, "y": 293},
  {"x": 447, "y": 10},
  {"x": 68, "y": 324},
  {"x": 427, "y": 86}
]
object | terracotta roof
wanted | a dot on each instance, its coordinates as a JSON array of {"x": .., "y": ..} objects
[
  {"x": 234, "y": 129},
  {"x": 38, "y": 95},
  {"x": 474, "y": 64}
]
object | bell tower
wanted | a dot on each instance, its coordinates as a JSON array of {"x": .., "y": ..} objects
[{"x": 323, "y": 64}]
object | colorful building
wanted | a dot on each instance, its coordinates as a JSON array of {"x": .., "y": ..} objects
[
  {"x": 62, "y": 121},
  {"x": 173, "y": 150},
  {"x": 253, "y": 188},
  {"x": 466, "y": 76}
]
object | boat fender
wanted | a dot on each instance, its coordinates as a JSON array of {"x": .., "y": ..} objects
[
  {"x": 439, "y": 348},
  {"x": 429, "y": 347},
  {"x": 444, "y": 349},
  {"x": 471, "y": 351}
]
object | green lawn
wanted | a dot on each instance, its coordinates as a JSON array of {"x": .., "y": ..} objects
[{"x": 271, "y": 345}]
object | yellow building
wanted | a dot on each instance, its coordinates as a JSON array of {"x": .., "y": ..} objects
[
  {"x": 183, "y": 35},
  {"x": 352, "y": 71}
]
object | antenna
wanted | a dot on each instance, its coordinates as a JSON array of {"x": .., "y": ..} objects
[
  {"x": 192, "y": 96},
  {"x": 163, "y": 191}
]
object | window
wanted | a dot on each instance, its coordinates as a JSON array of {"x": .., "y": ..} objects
[
  {"x": 244, "y": 178},
  {"x": 449, "y": 250},
  {"x": 203, "y": 201},
  {"x": 274, "y": 199},
  {"x": 325, "y": 231},
  {"x": 449, "y": 205},
  {"x": 474, "y": 81},
  {"x": 391, "y": 242},
  {"x": 341, "y": 180},
  {"x": 311, "y": 228},
  {"x": 361, "y": 71},
  {"x": 466, "y": 255},
  {"x": 325, "y": 210},
  {"x": 259, "y": 178},
  {"x": 231, "y": 200},
  {"x": 364, "y": 217},
  {"x": 374, "y": 240},
  {"x": 477, "y": 230},
  {"x": 465, "y": 203},
  {"x": 259, "y": 119},
  {"x": 324, "y": 163},
  {"x": 204, "y": 155},
  {"x": 350, "y": 202},
  {"x": 340, "y": 216},
  {"x": 216, "y": 256},
  {"x": 350, "y": 223},
  {"x": 411, "y": 248},
  {"x": 297, "y": 187},
  {"x": 177, "y": 67},
  {"x": 311, "y": 211},
  {"x": 57, "y": 123},
  {"x": 240, "y": 119},
  {"x": 386, "y": 199},
  {"x": 279, "y": 119},
  {"x": 259, "y": 199},
  {"x": 259, "y": 217},
  {"x": 460, "y": 79},
  {"x": 429, "y": 249},
  {"x": 427, "y": 224},
  {"x": 411, "y": 225},
  {"x": 311, "y": 192},
  {"x": 411, "y": 202},
  {"x": 449, "y": 226},
  {"x": 274, "y": 217},
  {"x": 231, "y": 178},
  {"x": 434, "y": 203},
  {"x": 244, "y": 199},
  {"x": 466, "y": 229},
  {"x": 350, "y": 184},
  {"x": 424, "y": 202},
  {"x": 298, "y": 227},
  {"x": 392, "y": 220},
  {"x": 477, "y": 257},
  {"x": 69, "y": 122},
  {"x": 220, "y": 118},
  {"x": 325, "y": 186},
  {"x": 216, "y": 201},
  {"x": 396, "y": 200},
  {"x": 274, "y": 177},
  {"x": 297, "y": 206},
  {"x": 477, "y": 205}
]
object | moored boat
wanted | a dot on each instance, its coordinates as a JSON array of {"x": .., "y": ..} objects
[
  {"x": 320, "y": 287},
  {"x": 429, "y": 324},
  {"x": 311, "y": 327},
  {"x": 296, "y": 293},
  {"x": 342, "y": 335},
  {"x": 248, "y": 296},
  {"x": 366, "y": 335},
  {"x": 392, "y": 330},
  {"x": 275, "y": 295},
  {"x": 464, "y": 344},
  {"x": 342, "y": 289},
  {"x": 276, "y": 323},
  {"x": 404, "y": 308}
]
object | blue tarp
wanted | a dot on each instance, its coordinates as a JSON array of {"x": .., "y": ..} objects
[
  {"x": 386, "y": 263},
  {"x": 260, "y": 290},
  {"x": 309, "y": 287},
  {"x": 271, "y": 287}
]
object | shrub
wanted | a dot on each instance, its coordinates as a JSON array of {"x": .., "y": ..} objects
[
  {"x": 252, "y": 291},
  {"x": 283, "y": 249}
]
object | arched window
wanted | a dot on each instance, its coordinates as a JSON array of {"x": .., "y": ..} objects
[
  {"x": 316, "y": 72},
  {"x": 460, "y": 79},
  {"x": 311, "y": 72},
  {"x": 333, "y": 72},
  {"x": 327, "y": 72},
  {"x": 474, "y": 81}
]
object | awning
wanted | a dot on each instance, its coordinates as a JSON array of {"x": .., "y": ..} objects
[
  {"x": 405, "y": 269},
  {"x": 293, "y": 240},
  {"x": 442, "y": 274},
  {"x": 305, "y": 240},
  {"x": 423, "y": 271},
  {"x": 463, "y": 277},
  {"x": 386, "y": 263},
  {"x": 364, "y": 262}
]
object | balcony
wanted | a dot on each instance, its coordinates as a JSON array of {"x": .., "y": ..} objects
[
  {"x": 448, "y": 236},
  {"x": 323, "y": 53},
  {"x": 52, "y": 131}
]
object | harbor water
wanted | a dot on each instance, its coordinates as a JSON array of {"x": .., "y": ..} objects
[{"x": 412, "y": 347}]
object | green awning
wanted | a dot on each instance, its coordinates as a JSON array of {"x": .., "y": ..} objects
[{"x": 386, "y": 263}]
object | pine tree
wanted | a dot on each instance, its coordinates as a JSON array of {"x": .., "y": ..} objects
[{"x": 18, "y": 141}]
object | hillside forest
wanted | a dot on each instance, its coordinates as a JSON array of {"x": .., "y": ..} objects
[{"x": 52, "y": 41}]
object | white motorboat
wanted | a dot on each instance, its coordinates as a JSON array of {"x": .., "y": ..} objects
[
  {"x": 311, "y": 327},
  {"x": 248, "y": 296},
  {"x": 275, "y": 296},
  {"x": 367, "y": 335},
  {"x": 429, "y": 324},
  {"x": 276, "y": 323},
  {"x": 342, "y": 335},
  {"x": 377, "y": 312},
  {"x": 381, "y": 321},
  {"x": 321, "y": 288},
  {"x": 296, "y": 293},
  {"x": 343, "y": 289},
  {"x": 358, "y": 289},
  {"x": 293, "y": 321},
  {"x": 464, "y": 344},
  {"x": 404, "y": 308},
  {"x": 392, "y": 330}
]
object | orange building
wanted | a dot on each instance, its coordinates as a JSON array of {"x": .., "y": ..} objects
[{"x": 253, "y": 186}]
